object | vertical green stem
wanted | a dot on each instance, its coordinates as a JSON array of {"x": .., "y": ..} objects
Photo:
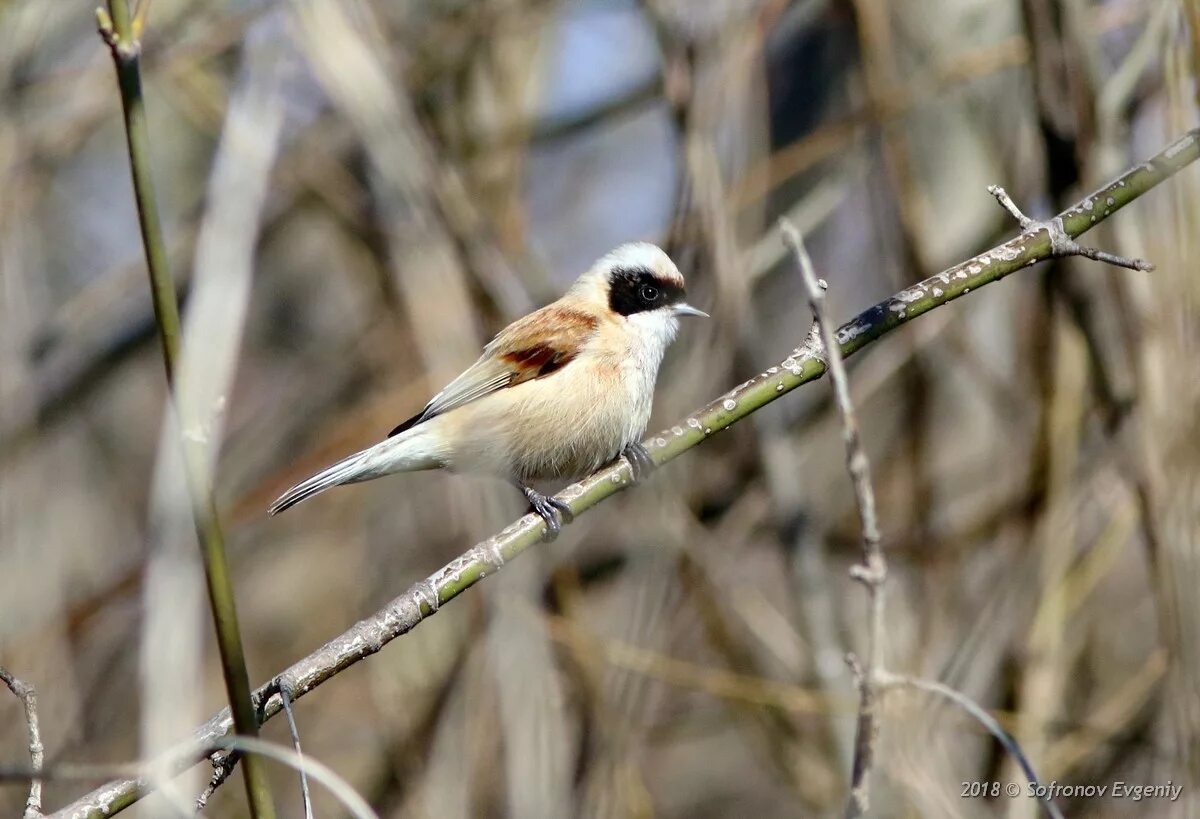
[
  {"x": 127, "y": 57},
  {"x": 126, "y": 49}
]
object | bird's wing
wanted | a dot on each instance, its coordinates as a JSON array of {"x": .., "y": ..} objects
[{"x": 531, "y": 347}]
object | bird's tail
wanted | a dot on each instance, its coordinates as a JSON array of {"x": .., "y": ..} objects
[{"x": 407, "y": 452}]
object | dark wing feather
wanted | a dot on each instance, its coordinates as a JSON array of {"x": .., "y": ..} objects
[{"x": 542, "y": 342}]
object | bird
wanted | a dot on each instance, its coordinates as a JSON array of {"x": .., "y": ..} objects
[{"x": 555, "y": 395}]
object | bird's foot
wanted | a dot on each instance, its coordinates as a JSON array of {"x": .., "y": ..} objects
[
  {"x": 640, "y": 462},
  {"x": 546, "y": 506}
]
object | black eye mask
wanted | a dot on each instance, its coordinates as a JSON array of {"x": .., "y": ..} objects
[{"x": 636, "y": 290}]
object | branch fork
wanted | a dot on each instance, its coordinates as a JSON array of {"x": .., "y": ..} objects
[
  {"x": 1061, "y": 243},
  {"x": 125, "y": 49}
]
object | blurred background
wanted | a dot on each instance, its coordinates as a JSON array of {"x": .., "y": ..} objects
[{"x": 358, "y": 193}]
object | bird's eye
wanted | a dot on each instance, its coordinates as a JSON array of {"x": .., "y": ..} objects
[{"x": 648, "y": 293}]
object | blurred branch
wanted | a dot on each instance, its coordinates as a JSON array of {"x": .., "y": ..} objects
[
  {"x": 769, "y": 724},
  {"x": 719, "y": 683},
  {"x": 121, "y": 34},
  {"x": 25, "y": 693},
  {"x": 872, "y": 572},
  {"x": 1191, "y": 8},
  {"x": 801, "y": 366},
  {"x": 900, "y": 100},
  {"x": 518, "y": 136},
  {"x": 252, "y": 747}
]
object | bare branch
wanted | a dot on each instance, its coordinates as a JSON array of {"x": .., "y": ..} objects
[
  {"x": 37, "y": 752},
  {"x": 1009, "y": 205},
  {"x": 872, "y": 572},
  {"x": 801, "y": 366}
]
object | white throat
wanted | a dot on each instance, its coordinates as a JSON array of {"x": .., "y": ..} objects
[{"x": 650, "y": 334}]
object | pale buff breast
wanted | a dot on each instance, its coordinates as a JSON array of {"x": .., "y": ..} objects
[{"x": 560, "y": 427}]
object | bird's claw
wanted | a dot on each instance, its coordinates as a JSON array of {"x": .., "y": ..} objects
[
  {"x": 640, "y": 462},
  {"x": 563, "y": 509},
  {"x": 545, "y": 506}
]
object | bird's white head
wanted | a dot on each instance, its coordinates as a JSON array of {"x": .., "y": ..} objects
[{"x": 639, "y": 285}]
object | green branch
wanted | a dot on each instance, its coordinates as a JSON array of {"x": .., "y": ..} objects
[
  {"x": 1038, "y": 242},
  {"x": 123, "y": 36}
]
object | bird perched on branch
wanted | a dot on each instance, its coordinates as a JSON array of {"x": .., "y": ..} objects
[{"x": 555, "y": 395}]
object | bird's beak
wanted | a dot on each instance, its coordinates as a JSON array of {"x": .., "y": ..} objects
[{"x": 688, "y": 310}]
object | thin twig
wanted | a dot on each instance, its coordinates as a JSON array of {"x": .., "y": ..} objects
[
  {"x": 1009, "y": 205},
  {"x": 25, "y": 693},
  {"x": 801, "y": 366},
  {"x": 874, "y": 677},
  {"x": 872, "y": 572},
  {"x": 117, "y": 29},
  {"x": 223, "y": 764},
  {"x": 887, "y": 679},
  {"x": 285, "y": 698}
]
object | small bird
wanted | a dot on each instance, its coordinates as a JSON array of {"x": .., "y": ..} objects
[{"x": 555, "y": 395}]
